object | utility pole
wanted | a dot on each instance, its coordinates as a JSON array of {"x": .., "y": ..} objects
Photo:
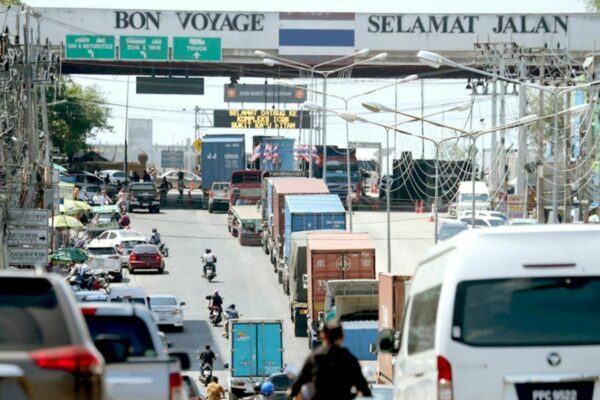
[
  {"x": 502, "y": 172},
  {"x": 540, "y": 206},
  {"x": 126, "y": 129},
  {"x": 522, "y": 181},
  {"x": 422, "y": 115},
  {"x": 494, "y": 144}
]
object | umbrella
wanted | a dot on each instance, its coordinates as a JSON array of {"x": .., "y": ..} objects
[
  {"x": 75, "y": 206},
  {"x": 65, "y": 222},
  {"x": 69, "y": 254},
  {"x": 59, "y": 168}
]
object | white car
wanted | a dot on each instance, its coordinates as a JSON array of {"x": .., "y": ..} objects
[
  {"x": 107, "y": 259},
  {"x": 485, "y": 222},
  {"x": 167, "y": 310},
  {"x": 484, "y": 214},
  {"x": 113, "y": 174},
  {"x": 93, "y": 296},
  {"x": 188, "y": 179},
  {"x": 128, "y": 294},
  {"x": 124, "y": 239},
  {"x": 522, "y": 221}
]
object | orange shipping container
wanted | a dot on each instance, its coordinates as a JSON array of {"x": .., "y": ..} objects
[
  {"x": 332, "y": 256},
  {"x": 392, "y": 294}
]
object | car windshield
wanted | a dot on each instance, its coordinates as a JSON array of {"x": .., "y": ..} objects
[
  {"x": 130, "y": 244},
  {"x": 125, "y": 233},
  {"x": 479, "y": 197},
  {"x": 128, "y": 299},
  {"x": 496, "y": 222},
  {"x": 91, "y": 189},
  {"x": 101, "y": 251},
  {"x": 128, "y": 327},
  {"x": 30, "y": 315},
  {"x": 140, "y": 187},
  {"x": 450, "y": 230},
  {"x": 163, "y": 301},
  {"x": 515, "y": 312},
  {"x": 145, "y": 249},
  {"x": 221, "y": 186}
]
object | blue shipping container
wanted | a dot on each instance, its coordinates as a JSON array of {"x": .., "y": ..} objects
[
  {"x": 310, "y": 213},
  {"x": 358, "y": 335},
  {"x": 221, "y": 155},
  {"x": 256, "y": 348},
  {"x": 283, "y": 148},
  {"x": 270, "y": 203}
]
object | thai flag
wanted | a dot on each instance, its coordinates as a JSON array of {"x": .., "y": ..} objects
[
  {"x": 316, "y": 34},
  {"x": 267, "y": 152}
]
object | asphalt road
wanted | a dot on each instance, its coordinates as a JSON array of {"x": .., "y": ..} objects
[{"x": 244, "y": 277}]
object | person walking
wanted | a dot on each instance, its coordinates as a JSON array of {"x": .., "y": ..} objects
[
  {"x": 331, "y": 371},
  {"x": 214, "y": 391}
]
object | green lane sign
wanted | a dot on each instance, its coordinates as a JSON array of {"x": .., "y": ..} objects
[
  {"x": 90, "y": 47},
  {"x": 140, "y": 48},
  {"x": 196, "y": 49}
]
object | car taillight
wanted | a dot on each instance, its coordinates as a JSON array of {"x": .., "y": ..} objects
[
  {"x": 444, "y": 379},
  {"x": 88, "y": 310},
  {"x": 74, "y": 359},
  {"x": 132, "y": 257},
  {"x": 176, "y": 386},
  {"x": 157, "y": 257}
]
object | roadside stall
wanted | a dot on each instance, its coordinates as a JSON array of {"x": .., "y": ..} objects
[{"x": 246, "y": 224}]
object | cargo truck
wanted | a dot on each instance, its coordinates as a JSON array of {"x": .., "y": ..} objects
[
  {"x": 355, "y": 303},
  {"x": 256, "y": 353},
  {"x": 294, "y": 280},
  {"x": 334, "y": 256},
  {"x": 281, "y": 189},
  {"x": 393, "y": 293},
  {"x": 337, "y": 172},
  {"x": 221, "y": 155},
  {"x": 273, "y": 153}
]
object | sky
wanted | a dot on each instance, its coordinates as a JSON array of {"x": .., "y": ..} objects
[{"x": 173, "y": 116}]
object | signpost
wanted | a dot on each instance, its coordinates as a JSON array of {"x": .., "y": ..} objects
[
  {"x": 90, "y": 47},
  {"x": 33, "y": 217},
  {"x": 140, "y": 48},
  {"x": 171, "y": 158},
  {"x": 27, "y": 256},
  {"x": 256, "y": 93},
  {"x": 27, "y": 236},
  {"x": 196, "y": 49},
  {"x": 261, "y": 119}
]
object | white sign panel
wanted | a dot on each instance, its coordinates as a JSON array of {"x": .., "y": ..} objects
[
  {"x": 27, "y": 236},
  {"x": 139, "y": 139},
  {"x": 27, "y": 256},
  {"x": 32, "y": 217}
]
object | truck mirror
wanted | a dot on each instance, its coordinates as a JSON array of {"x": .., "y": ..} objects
[
  {"x": 184, "y": 360},
  {"x": 372, "y": 348},
  {"x": 226, "y": 366},
  {"x": 387, "y": 341},
  {"x": 305, "y": 281}
]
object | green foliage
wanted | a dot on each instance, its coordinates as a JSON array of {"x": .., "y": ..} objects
[
  {"x": 10, "y": 2},
  {"x": 78, "y": 113},
  {"x": 593, "y": 5}
]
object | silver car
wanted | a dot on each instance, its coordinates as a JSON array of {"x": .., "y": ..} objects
[{"x": 167, "y": 310}]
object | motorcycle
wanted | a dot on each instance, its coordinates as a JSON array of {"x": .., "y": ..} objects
[
  {"x": 164, "y": 250},
  {"x": 88, "y": 280},
  {"x": 210, "y": 273},
  {"x": 215, "y": 316},
  {"x": 206, "y": 374}
]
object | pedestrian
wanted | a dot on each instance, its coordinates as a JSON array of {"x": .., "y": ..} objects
[
  {"x": 135, "y": 177},
  {"x": 77, "y": 193},
  {"x": 107, "y": 180},
  {"x": 331, "y": 370},
  {"x": 119, "y": 184},
  {"x": 146, "y": 176},
  {"x": 214, "y": 391}
]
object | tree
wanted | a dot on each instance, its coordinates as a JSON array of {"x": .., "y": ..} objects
[
  {"x": 593, "y": 5},
  {"x": 10, "y": 2},
  {"x": 77, "y": 113}
]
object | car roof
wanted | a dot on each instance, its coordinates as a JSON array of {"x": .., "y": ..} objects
[
  {"x": 163, "y": 296},
  {"x": 120, "y": 290},
  {"x": 114, "y": 309}
]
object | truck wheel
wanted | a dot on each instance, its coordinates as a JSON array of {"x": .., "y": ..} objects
[
  {"x": 232, "y": 396},
  {"x": 286, "y": 287},
  {"x": 273, "y": 260},
  {"x": 265, "y": 247},
  {"x": 292, "y": 313}
]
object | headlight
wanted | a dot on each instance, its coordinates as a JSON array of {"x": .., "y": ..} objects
[
  {"x": 206, "y": 372},
  {"x": 176, "y": 312}
]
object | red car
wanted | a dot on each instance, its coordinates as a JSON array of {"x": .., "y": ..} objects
[{"x": 146, "y": 256}]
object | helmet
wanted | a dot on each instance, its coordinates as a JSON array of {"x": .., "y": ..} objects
[
  {"x": 267, "y": 389},
  {"x": 216, "y": 292},
  {"x": 257, "y": 387},
  {"x": 207, "y": 250},
  {"x": 154, "y": 230}
]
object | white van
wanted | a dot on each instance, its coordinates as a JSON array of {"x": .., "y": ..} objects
[
  {"x": 509, "y": 313},
  {"x": 465, "y": 195}
]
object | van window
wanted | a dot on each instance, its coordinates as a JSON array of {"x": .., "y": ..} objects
[
  {"x": 559, "y": 311},
  {"x": 423, "y": 315}
]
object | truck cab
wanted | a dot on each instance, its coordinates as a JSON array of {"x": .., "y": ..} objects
[{"x": 464, "y": 200}]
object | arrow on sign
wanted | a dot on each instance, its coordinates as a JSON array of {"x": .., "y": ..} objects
[
  {"x": 91, "y": 53},
  {"x": 143, "y": 54},
  {"x": 196, "y": 55}
]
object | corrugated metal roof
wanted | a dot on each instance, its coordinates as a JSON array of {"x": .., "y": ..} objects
[
  {"x": 246, "y": 212},
  {"x": 339, "y": 241},
  {"x": 300, "y": 185},
  {"x": 314, "y": 203}
]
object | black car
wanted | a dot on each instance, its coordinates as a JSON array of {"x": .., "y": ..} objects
[{"x": 144, "y": 195}]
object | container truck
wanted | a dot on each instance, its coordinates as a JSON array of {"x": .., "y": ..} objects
[
  {"x": 281, "y": 189},
  {"x": 294, "y": 280},
  {"x": 273, "y": 153},
  {"x": 393, "y": 292},
  {"x": 337, "y": 172},
  {"x": 334, "y": 256},
  {"x": 256, "y": 353},
  {"x": 221, "y": 155},
  {"x": 355, "y": 303}
]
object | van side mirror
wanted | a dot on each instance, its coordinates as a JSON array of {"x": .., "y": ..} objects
[
  {"x": 373, "y": 348},
  {"x": 114, "y": 348},
  {"x": 226, "y": 366},
  {"x": 389, "y": 341},
  {"x": 305, "y": 281},
  {"x": 184, "y": 360}
]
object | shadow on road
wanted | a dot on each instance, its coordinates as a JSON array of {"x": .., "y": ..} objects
[{"x": 196, "y": 335}]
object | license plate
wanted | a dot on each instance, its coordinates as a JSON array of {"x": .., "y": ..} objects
[{"x": 555, "y": 391}]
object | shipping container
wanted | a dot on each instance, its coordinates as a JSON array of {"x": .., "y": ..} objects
[
  {"x": 392, "y": 299},
  {"x": 281, "y": 189},
  {"x": 275, "y": 154},
  {"x": 221, "y": 155},
  {"x": 311, "y": 212},
  {"x": 334, "y": 256},
  {"x": 294, "y": 274},
  {"x": 256, "y": 353}
]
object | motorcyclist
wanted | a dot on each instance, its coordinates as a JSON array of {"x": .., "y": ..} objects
[
  {"x": 266, "y": 391},
  {"x": 155, "y": 238},
  {"x": 209, "y": 259},
  {"x": 230, "y": 313},
  {"x": 216, "y": 301},
  {"x": 256, "y": 392},
  {"x": 207, "y": 356}
]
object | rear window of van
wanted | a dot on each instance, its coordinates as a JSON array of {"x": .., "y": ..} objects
[{"x": 555, "y": 311}]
